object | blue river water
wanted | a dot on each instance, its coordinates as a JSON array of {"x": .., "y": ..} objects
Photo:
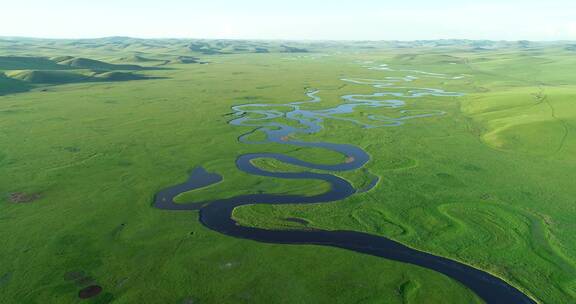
[{"x": 391, "y": 93}]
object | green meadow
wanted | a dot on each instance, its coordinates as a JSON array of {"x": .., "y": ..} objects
[{"x": 90, "y": 130}]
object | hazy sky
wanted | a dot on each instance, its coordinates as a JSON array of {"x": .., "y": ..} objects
[{"x": 292, "y": 19}]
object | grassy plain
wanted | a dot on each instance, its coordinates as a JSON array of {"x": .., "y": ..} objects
[{"x": 489, "y": 184}]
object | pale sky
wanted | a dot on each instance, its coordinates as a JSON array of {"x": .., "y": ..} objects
[{"x": 292, "y": 19}]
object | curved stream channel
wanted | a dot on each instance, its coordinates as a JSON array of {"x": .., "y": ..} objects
[{"x": 217, "y": 215}]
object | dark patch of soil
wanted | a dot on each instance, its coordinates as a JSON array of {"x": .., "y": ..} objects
[
  {"x": 21, "y": 197},
  {"x": 89, "y": 292}
]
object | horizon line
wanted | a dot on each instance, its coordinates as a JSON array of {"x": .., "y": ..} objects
[{"x": 281, "y": 39}]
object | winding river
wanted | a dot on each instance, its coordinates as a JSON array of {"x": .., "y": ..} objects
[{"x": 266, "y": 118}]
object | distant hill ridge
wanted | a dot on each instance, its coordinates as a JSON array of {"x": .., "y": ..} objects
[
  {"x": 60, "y": 63},
  {"x": 22, "y": 73},
  {"x": 85, "y": 63}
]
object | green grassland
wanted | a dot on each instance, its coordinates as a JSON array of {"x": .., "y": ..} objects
[{"x": 489, "y": 184}]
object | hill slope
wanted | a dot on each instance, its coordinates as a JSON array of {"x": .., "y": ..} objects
[
  {"x": 85, "y": 63},
  {"x": 47, "y": 77}
]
